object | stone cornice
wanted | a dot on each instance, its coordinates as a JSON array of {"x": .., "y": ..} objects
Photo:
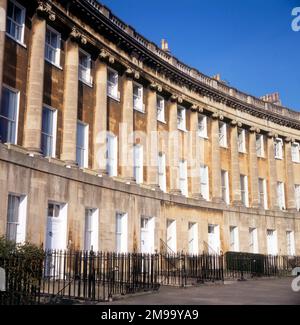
[{"x": 164, "y": 63}]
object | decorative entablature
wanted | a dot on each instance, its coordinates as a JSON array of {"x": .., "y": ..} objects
[{"x": 102, "y": 20}]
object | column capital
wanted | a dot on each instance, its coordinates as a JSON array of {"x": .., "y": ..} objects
[
  {"x": 289, "y": 140},
  {"x": 132, "y": 73},
  {"x": 45, "y": 9},
  {"x": 253, "y": 129},
  {"x": 271, "y": 135},
  {"x": 215, "y": 116},
  {"x": 196, "y": 108},
  {"x": 77, "y": 36},
  {"x": 176, "y": 98},
  {"x": 106, "y": 56},
  {"x": 236, "y": 123},
  {"x": 155, "y": 87}
]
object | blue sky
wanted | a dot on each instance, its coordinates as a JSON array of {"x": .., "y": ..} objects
[{"x": 249, "y": 42}]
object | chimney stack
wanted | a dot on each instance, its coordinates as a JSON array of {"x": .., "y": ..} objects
[
  {"x": 272, "y": 98},
  {"x": 165, "y": 46},
  {"x": 217, "y": 77}
]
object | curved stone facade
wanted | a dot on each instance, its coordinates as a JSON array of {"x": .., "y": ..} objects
[{"x": 190, "y": 163}]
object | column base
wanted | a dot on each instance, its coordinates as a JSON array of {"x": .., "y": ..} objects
[
  {"x": 129, "y": 180},
  {"x": 218, "y": 200},
  {"x": 292, "y": 210},
  {"x": 71, "y": 164},
  {"x": 197, "y": 196},
  {"x": 154, "y": 187},
  {"x": 238, "y": 203},
  {"x": 175, "y": 192},
  {"x": 101, "y": 172},
  {"x": 34, "y": 151}
]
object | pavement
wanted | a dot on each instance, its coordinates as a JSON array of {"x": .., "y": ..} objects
[{"x": 251, "y": 292}]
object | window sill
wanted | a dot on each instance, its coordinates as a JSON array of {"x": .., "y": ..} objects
[
  {"x": 87, "y": 83},
  {"x": 243, "y": 152},
  {"x": 223, "y": 146},
  {"x": 261, "y": 157},
  {"x": 181, "y": 129},
  {"x": 162, "y": 121},
  {"x": 139, "y": 110},
  {"x": 278, "y": 158},
  {"x": 16, "y": 40},
  {"x": 54, "y": 64},
  {"x": 114, "y": 98},
  {"x": 296, "y": 162},
  {"x": 203, "y": 136}
]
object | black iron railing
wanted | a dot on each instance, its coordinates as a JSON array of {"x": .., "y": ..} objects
[{"x": 102, "y": 276}]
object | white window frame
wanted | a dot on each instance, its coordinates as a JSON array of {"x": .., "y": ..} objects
[
  {"x": 57, "y": 50},
  {"x": 148, "y": 226},
  {"x": 202, "y": 126},
  {"x": 234, "y": 239},
  {"x": 278, "y": 148},
  {"x": 245, "y": 192},
  {"x": 20, "y": 41},
  {"x": 222, "y": 134},
  {"x": 17, "y": 93},
  {"x": 281, "y": 196},
  {"x": 181, "y": 118},
  {"x": 112, "y": 157},
  {"x": 22, "y": 218},
  {"x": 204, "y": 183},
  {"x": 91, "y": 230},
  {"x": 54, "y": 131},
  {"x": 183, "y": 178},
  {"x": 295, "y": 148},
  {"x": 122, "y": 233},
  {"x": 141, "y": 107},
  {"x": 85, "y": 73},
  {"x": 297, "y": 196},
  {"x": 273, "y": 250},
  {"x": 171, "y": 235},
  {"x": 138, "y": 158},
  {"x": 193, "y": 238},
  {"x": 241, "y": 140},
  {"x": 162, "y": 179},
  {"x": 160, "y": 106},
  {"x": 86, "y": 145},
  {"x": 253, "y": 241},
  {"x": 264, "y": 204},
  {"x": 290, "y": 241},
  {"x": 113, "y": 88},
  {"x": 260, "y": 150},
  {"x": 225, "y": 188}
]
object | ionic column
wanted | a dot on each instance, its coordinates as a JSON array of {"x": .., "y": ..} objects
[
  {"x": 173, "y": 147},
  {"x": 126, "y": 128},
  {"x": 290, "y": 183},
  {"x": 70, "y": 103},
  {"x": 195, "y": 153},
  {"x": 253, "y": 166},
  {"x": 151, "y": 152},
  {"x": 235, "y": 164},
  {"x": 100, "y": 118},
  {"x": 272, "y": 172},
  {"x": 35, "y": 90},
  {"x": 3, "y": 8},
  {"x": 216, "y": 160}
]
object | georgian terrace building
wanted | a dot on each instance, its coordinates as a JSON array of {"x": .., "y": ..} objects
[{"x": 111, "y": 143}]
